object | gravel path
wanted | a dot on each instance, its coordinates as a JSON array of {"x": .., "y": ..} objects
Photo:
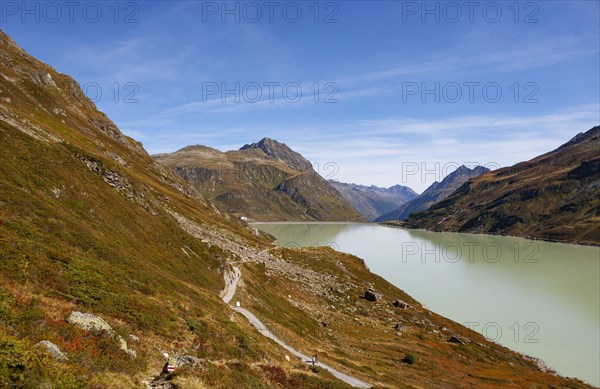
[{"x": 231, "y": 282}]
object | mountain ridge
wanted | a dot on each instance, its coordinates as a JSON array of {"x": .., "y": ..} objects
[
  {"x": 434, "y": 193},
  {"x": 553, "y": 196},
  {"x": 281, "y": 152},
  {"x": 264, "y": 181},
  {"x": 373, "y": 201}
]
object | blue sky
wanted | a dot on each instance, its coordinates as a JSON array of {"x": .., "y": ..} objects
[{"x": 407, "y": 91}]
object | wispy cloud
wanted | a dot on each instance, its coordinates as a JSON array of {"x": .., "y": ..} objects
[
  {"x": 136, "y": 59},
  {"x": 378, "y": 149},
  {"x": 457, "y": 62}
]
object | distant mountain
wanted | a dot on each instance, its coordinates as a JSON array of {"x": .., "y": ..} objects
[
  {"x": 280, "y": 152},
  {"x": 373, "y": 201},
  {"x": 265, "y": 181},
  {"x": 555, "y": 196},
  {"x": 436, "y": 192}
]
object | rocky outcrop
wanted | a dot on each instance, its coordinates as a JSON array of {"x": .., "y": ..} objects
[
  {"x": 456, "y": 339},
  {"x": 52, "y": 350},
  {"x": 281, "y": 152},
  {"x": 182, "y": 361},
  {"x": 90, "y": 322},
  {"x": 401, "y": 304},
  {"x": 371, "y": 295}
]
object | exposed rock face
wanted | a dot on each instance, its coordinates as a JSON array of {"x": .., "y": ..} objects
[
  {"x": 371, "y": 295},
  {"x": 264, "y": 181},
  {"x": 187, "y": 361},
  {"x": 555, "y": 196},
  {"x": 372, "y": 201},
  {"x": 401, "y": 304},
  {"x": 45, "y": 79},
  {"x": 456, "y": 339},
  {"x": 90, "y": 322},
  {"x": 53, "y": 350},
  {"x": 181, "y": 361},
  {"x": 281, "y": 152},
  {"x": 436, "y": 192}
]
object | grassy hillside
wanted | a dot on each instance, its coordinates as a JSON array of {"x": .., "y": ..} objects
[
  {"x": 555, "y": 196},
  {"x": 89, "y": 222},
  {"x": 86, "y": 224},
  {"x": 264, "y": 181}
]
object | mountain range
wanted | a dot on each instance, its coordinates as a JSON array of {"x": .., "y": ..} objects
[
  {"x": 555, "y": 196},
  {"x": 372, "y": 201},
  {"x": 265, "y": 181},
  {"x": 434, "y": 193}
]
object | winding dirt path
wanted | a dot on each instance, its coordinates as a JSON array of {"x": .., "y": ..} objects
[{"x": 231, "y": 282}]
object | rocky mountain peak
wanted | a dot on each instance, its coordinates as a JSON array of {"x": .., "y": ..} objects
[
  {"x": 462, "y": 171},
  {"x": 400, "y": 189},
  {"x": 435, "y": 192},
  {"x": 280, "y": 152}
]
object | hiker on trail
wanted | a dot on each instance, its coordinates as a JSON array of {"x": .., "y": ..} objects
[{"x": 314, "y": 359}]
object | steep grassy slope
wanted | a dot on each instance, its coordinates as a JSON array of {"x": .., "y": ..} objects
[
  {"x": 89, "y": 222},
  {"x": 372, "y": 201},
  {"x": 436, "y": 192},
  {"x": 555, "y": 196},
  {"x": 86, "y": 224},
  {"x": 265, "y": 181}
]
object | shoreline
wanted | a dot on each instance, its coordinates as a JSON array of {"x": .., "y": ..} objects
[
  {"x": 542, "y": 364},
  {"x": 400, "y": 224}
]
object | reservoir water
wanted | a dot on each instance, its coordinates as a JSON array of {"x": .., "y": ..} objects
[{"x": 539, "y": 298}]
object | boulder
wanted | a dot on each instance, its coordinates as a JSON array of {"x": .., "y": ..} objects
[
  {"x": 401, "y": 304},
  {"x": 89, "y": 322},
  {"x": 371, "y": 295},
  {"x": 399, "y": 327},
  {"x": 53, "y": 350},
  {"x": 187, "y": 361},
  {"x": 456, "y": 339},
  {"x": 182, "y": 361}
]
